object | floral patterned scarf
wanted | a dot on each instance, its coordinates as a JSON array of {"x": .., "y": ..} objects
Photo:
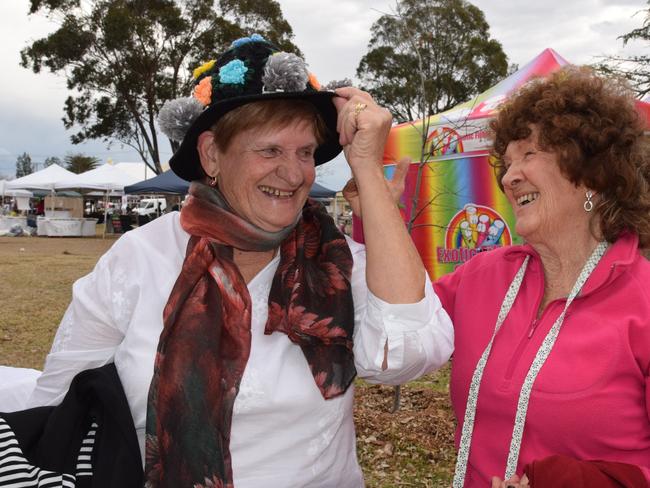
[{"x": 205, "y": 342}]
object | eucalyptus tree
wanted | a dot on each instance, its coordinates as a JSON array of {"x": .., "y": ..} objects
[{"x": 123, "y": 59}]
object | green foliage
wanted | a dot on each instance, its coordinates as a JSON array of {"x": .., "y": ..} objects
[
  {"x": 634, "y": 68},
  {"x": 24, "y": 165},
  {"x": 334, "y": 84},
  {"x": 79, "y": 163},
  {"x": 124, "y": 58},
  {"x": 52, "y": 160},
  {"x": 429, "y": 56}
]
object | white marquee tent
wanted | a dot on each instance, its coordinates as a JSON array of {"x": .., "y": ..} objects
[
  {"x": 139, "y": 170},
  {"x": 45, "y": 179},
  {"x": 108, "y": 178},
  {"x": 8, "y": 192}
]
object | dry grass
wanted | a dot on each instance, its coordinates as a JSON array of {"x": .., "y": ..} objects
[
  {"x": 36, "y": 276},
  {"x": 410, "y": 448}
]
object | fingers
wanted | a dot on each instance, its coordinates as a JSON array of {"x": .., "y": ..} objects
[
  {"x": 343, "y": 95},
  {"x": 348, "y": 92},
  {"x": 348, "y": 121},
  {"x": 401, "y": 170},
  {"x": 359, "y": 114},
  {"x": 397, "y": 183},
  {"x": 351, "y": 194},
  {"x": 339, "y": 103},
  {"x": 349, "y": 113},
  {"x": 350, "y": 188},
  {"x": 350, "y": 103},
  {"x": 513, "y": 482},
  {"x": 363, "y": 128}
]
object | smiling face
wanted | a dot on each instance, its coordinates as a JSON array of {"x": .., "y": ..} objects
[
  {"x": 547, "y": 205},
  {"x": 265, "y": 173}
]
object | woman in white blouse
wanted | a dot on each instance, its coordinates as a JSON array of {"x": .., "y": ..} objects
[{"x": 238, "y": 325}]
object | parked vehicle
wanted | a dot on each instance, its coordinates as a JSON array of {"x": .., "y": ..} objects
[{"x": 151, "y": 207}]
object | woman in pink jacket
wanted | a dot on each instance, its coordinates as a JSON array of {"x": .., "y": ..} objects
[{"x": 551, "y": 371}]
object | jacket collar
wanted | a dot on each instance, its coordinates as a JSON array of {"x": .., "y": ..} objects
[{"x": 619, "y": 256}]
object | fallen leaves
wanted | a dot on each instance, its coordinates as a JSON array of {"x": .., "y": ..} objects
[{"x": 413, "y": 447}]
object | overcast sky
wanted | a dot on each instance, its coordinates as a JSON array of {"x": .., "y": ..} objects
[{"x": 333, "y": 35}]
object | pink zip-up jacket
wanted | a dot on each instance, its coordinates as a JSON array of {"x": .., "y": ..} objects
[{"x": 591, "y": 399}]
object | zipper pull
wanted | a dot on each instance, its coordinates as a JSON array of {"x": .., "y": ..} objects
[{"x": 532, "y": 328}]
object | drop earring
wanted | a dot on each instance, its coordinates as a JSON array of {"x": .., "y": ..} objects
[
  {"x": 213, "y": 181},
  {"x": 588, "y": 205}
]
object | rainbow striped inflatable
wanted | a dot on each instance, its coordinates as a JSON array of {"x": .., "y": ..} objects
[{"x": 452, "y": 203}]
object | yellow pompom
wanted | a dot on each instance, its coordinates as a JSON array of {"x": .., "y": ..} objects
[{"x": 203, "y": 68}]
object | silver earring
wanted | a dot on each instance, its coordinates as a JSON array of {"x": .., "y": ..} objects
[{"x": 588, "y": 205}]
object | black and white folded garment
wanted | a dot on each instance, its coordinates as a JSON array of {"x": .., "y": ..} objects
[
  {"x": 15, "y": 469},
  {"x": 88, "y": 441}
]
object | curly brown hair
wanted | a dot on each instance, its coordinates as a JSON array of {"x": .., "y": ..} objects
[{"x": 591, "y": 124}]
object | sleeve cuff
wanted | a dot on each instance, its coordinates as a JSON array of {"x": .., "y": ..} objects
[
  {"x": 403, "y": 316},
  {"x": 419, "y": 337}
]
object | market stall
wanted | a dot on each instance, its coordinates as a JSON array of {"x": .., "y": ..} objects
[
  {"x": 65, "y": 227},
  {"x": 106, "y": 178}
]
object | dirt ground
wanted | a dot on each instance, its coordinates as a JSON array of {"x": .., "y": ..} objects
[{"x": 410, "y": 448}]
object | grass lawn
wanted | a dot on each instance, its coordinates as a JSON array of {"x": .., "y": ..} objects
[{"x": 410, "y": 448}]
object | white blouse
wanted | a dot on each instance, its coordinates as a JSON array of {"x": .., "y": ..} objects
[{"x": 283, "y": 432}]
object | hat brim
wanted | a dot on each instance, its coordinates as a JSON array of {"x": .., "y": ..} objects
[{"x": 186, "y": 163}]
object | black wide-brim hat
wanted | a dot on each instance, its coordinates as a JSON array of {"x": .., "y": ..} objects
[{"x": 251, "y": 70}]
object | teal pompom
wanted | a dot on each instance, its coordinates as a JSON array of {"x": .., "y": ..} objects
[{"x": 233, "y": 72}]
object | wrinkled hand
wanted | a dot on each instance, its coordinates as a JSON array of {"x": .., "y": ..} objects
[
  {"x": 363, "y": 127},
  {"x": 395, "y": 186},
  {"x": 514, "y": 482}
]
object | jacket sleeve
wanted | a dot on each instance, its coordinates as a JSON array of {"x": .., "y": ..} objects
[
  {"x": 418, "y": 336},
  {"x": 565, "y": 472},
  {"x": 639, "y": 340},
  {"x": 92, "y": 326}
]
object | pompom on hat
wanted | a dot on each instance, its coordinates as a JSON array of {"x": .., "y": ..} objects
[{"x": 252, "y": 69}]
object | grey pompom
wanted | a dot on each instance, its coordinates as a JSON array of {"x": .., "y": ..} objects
[
  {"x": 177, "y": 116},
  {"x": 285, "y": 72}
]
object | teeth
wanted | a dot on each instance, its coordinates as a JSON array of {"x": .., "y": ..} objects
[
  {"x": 275, "y": 192},
  {"x": 527, "y": 198}
]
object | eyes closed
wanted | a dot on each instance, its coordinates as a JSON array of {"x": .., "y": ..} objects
[{"x": 527, "y": 155}]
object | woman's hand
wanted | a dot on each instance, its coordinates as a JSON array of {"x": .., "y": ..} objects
[
  {"x": 395, "y": 186},
  {"x": 363, "y": 127},
  {"x": 394, "y": 270},
  {"x": 514, "y": 482}
]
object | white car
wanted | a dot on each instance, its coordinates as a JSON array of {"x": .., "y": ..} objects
[{"x": 151, "y": 206}]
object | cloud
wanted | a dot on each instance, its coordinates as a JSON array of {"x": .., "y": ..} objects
[
  {"x": 333, "y": 35},
  {"x": 579, "y": 30}
]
